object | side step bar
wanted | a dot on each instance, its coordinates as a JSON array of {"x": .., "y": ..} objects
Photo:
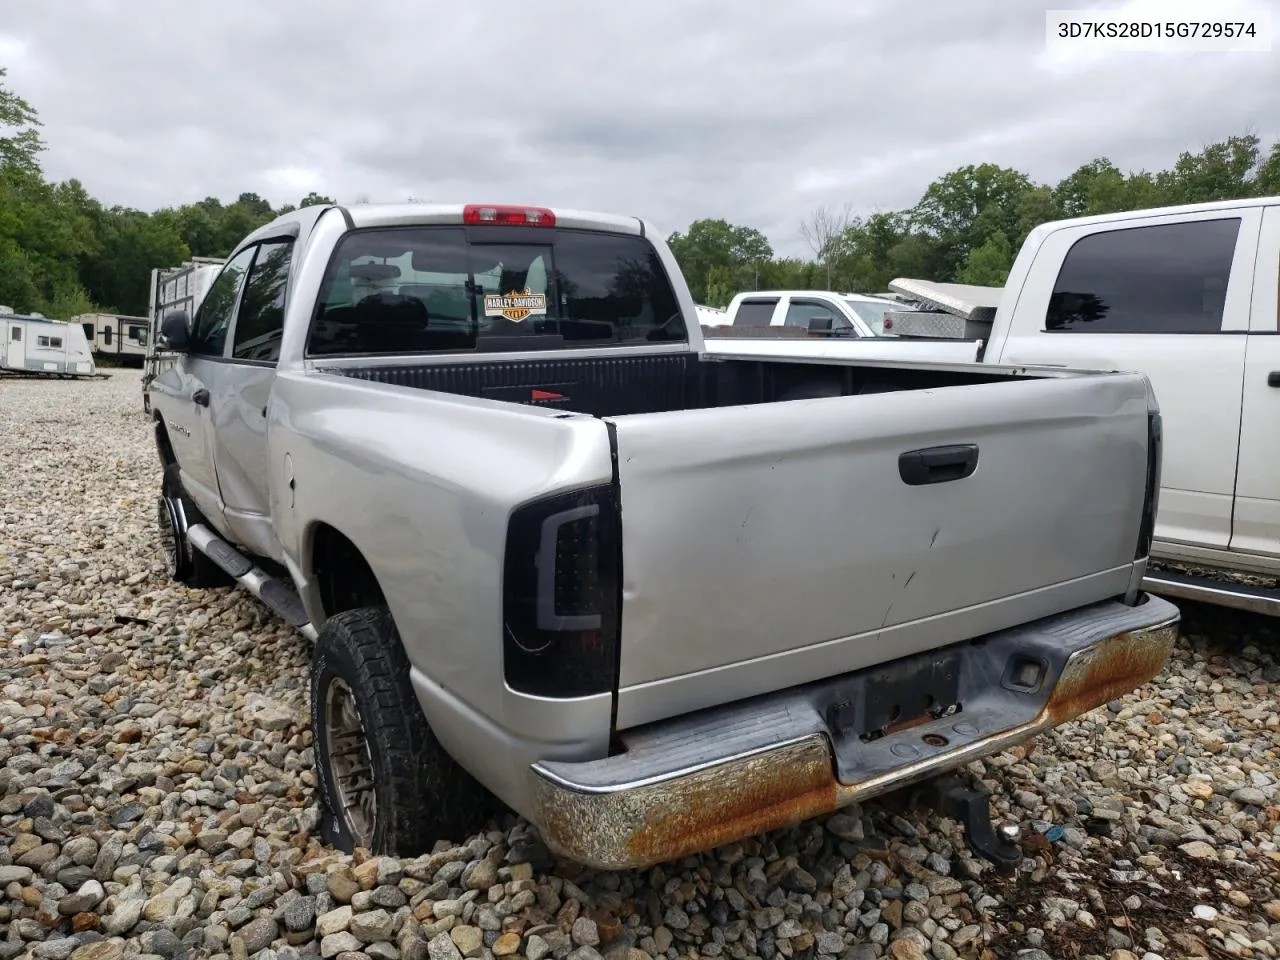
[
  {"x": 1239, "y": 596},
  {"x": 275, "y": 592}
]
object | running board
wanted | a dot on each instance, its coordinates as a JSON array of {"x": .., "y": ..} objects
[
  {"x": 276, "y": 592},
  {"x": 1239, "y": 596}
]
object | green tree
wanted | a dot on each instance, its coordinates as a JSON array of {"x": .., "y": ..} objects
[
  {"x": 1221, "y": 171},
  {"x": 736, "y": 254},
  {"x": 988, "y": 265},
  {"x": 960, "y": 210},
  {"x": 20, "y": 142},
  {"x": 1095, "y": 187},
  {"x": 314, "y": 199},
  {"x": 789, "y": 273},
  {"x": 1266, "y": 182},
  {"x": 133, "y": 244},
  {"x": 720, "y": 287},
  {"x": 750, "y": 251}
]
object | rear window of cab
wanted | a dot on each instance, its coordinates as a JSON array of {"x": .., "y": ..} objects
[{"x": 447, "y": 289}]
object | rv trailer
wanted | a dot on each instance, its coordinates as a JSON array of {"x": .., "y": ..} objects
[
  {"x": 116, "y": 335},
  {"x": 173, "y": 288},
  {"x": 38, "y": 346}
]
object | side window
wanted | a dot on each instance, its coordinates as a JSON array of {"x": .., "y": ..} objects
[
  {"x": 106, "y": 336},
  {"x": 800, "y": 312},
  {"x": 1170, "y": 278},
  {"x": 260, "y": 322},
  {"x": 754, "y": 313},
  {"x": 55, "y": 342},
  {"x": 209, "y": 335}
]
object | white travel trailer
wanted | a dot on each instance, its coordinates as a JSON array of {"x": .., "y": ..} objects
[
  {"x": 37, "y": 345},
  {"x": 115, "y": 335}
]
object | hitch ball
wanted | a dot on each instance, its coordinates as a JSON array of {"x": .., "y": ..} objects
[{"x": 1010, "y": 832}]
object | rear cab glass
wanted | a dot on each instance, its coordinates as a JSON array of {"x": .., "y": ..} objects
[{"x": 447, "y": 289}]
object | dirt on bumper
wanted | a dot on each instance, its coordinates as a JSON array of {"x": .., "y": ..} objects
[{"x": 636, "y": 824}]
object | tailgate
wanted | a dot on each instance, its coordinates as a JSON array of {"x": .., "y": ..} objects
[{"x": 766, "y": 531}]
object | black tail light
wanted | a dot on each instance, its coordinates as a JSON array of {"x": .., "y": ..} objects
[
  {"x": 562, "y": 594},
  {"x": 1155, "y": 445}
]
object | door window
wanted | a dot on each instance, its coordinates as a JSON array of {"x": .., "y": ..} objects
[
  {"x": 209, "y": 336},
  {"x": 800, "y": 312},
  {"x": 1169, "y": 278},
  {"x": 260, "y": 322}
]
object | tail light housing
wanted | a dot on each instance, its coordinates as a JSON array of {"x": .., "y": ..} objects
[
  {"x": 508, "y": 215},
  {"x": 561, "y": 594},
  {"x": 1155, "y": 450}
]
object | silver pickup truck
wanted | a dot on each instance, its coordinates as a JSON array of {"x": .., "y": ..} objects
[{"x": 550, "y": 550}]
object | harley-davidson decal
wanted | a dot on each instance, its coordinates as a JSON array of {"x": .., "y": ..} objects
[{"x": 516, "y": 305}]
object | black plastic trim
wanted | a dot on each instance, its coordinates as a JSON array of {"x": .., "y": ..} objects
[{"x": 1151, "y": 499}]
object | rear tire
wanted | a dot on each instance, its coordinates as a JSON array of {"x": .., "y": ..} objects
[
  {"x": 175, "y": 514},
  {"x": 385, "y": 782}
]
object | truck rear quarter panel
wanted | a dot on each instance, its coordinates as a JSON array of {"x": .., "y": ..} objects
[{"x": 422, "y": 483}]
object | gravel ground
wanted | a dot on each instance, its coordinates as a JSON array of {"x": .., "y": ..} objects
[{"x": 156, "y": 787}]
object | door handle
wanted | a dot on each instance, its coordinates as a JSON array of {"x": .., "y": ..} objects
[
  {"x": 1273, "y": 378},
  {"x": 201, "y": 397},
  {"x": 938, "y": 464}
]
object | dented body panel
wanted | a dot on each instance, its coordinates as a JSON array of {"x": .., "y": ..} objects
[{"x": 803, "y": 553}]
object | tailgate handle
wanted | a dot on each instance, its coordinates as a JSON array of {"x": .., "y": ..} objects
[{"x": 938, "y": 464}]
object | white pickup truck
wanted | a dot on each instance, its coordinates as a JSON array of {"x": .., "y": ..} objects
[
  {"x": 839, "y": 326},
  {"x": 1188, "y": 296}
]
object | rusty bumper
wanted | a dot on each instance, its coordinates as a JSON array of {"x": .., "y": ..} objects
[{"x": 780, "y": 762}]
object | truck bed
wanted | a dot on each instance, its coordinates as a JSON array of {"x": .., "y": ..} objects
[
  {"x": 808, "y": 542},
  {"x": 604, "y": 386}
]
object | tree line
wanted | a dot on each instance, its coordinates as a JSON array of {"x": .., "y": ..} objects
[
  {"x": 62, "y": 252},
  {"x": 966, "y": 228}
]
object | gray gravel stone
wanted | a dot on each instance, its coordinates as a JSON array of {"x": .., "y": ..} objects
[
  {"x": 170, "y": 790},
  {"x": 258, "y": 934},
  {"x": 373, "y": 926}
]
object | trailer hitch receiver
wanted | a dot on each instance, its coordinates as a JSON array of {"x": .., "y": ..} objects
[{"x": 970, "y": 805}]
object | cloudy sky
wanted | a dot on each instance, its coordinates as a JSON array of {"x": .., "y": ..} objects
[{"x": 753, "y": 110}]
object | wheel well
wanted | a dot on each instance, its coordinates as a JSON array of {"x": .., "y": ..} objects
[{"x": 343, "y": 577}]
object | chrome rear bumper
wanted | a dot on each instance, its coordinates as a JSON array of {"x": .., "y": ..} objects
[{"x": 696, "y": 782}]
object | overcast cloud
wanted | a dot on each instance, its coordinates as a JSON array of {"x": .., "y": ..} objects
[{"x": 673, "y": 110}]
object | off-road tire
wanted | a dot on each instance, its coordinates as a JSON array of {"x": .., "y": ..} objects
[
  {"x": 422, "y": 795},
  {"x": 192, "y": 567}
]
